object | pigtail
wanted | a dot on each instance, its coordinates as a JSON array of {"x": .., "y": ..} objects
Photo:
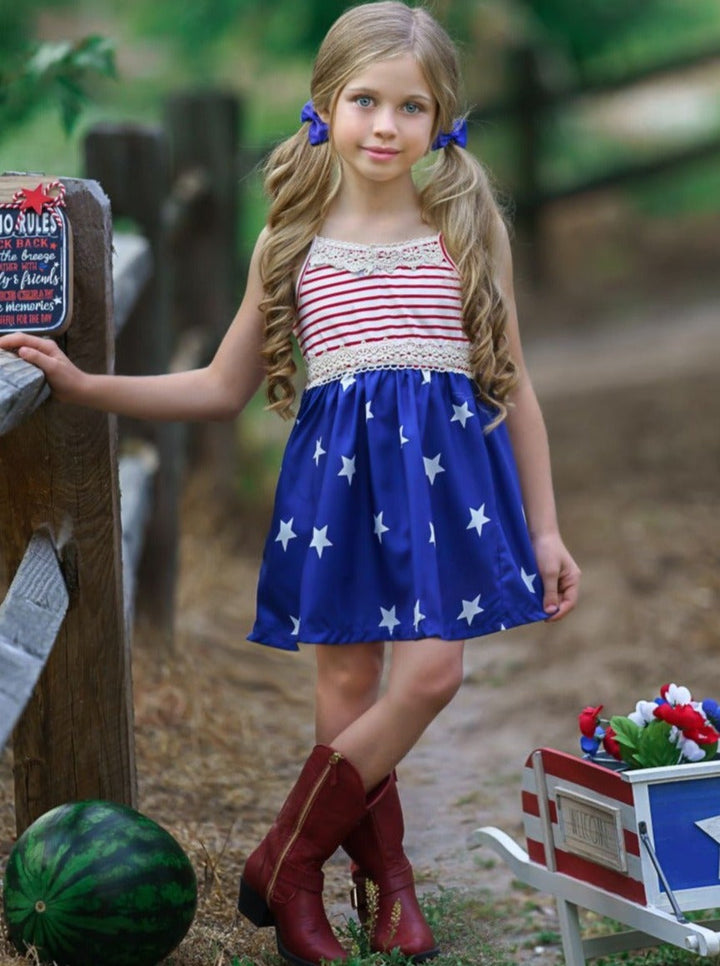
[
  {"x": 458, "y": 199},
  {"x": 300, "y": 180}
]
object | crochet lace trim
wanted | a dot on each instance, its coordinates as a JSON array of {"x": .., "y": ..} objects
[
  {"x": 395, "y": 354},
  {"x": 366, "y": 259}
]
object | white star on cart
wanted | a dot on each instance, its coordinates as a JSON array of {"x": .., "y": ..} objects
[
  {"x": 461, "y": 414},
  {"x": 529, "y": 580},
  {"x": 320, "y": 540},
  {"x": 348, "y": 468},
  {"x": 470, "y": 610},
  {"x": 389, "y": 619},
  {"x": 380, "y": 527},
  {"x": 711, "y": 827},
  {"x": 285, "y": 533},
  {"x": 477, "y": 519},
  {"x": 432, "y": 467},
  {"x": 319, "y": 451}
]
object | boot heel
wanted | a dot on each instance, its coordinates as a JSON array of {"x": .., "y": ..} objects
[{"x": 253, "y": 906}]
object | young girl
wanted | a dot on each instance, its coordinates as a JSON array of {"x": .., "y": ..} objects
[{"x": 415, "y": 502}]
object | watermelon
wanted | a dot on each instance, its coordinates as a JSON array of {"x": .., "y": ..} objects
[{"x": 95, "y": 882}]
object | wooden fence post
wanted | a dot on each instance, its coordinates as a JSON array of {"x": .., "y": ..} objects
[
  {"x": 530, "y": 97},
  {"x": 58, "y": 470},
  {"x": 131, "y": 162},
  {"x": 204, "y": 130}
]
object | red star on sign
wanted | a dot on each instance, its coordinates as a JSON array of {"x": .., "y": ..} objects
[{"x": 34, "y": 198}]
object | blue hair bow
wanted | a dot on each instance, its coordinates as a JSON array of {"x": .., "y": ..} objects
[
  {"x": 318, "y": 130},
  {"x": 458, "y": 135}
]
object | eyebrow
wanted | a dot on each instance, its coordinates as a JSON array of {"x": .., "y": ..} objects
[{"x": 371, "y": 90}]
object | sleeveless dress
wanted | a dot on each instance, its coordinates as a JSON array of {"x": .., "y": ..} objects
[{"x": 396, "y": 517}]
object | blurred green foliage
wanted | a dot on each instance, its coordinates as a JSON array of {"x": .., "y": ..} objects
[
  {"x": 34, "y": 75},
  {"x": 596, "y": 33}
]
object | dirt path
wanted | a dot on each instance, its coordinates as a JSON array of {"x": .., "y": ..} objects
[{"x": 221, "y": 727}]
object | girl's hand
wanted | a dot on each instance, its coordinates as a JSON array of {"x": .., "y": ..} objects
[
  {"x": 64, "y": 378},
  {"x": 560, "y": 575}
]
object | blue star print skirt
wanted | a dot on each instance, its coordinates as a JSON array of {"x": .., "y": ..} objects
[{"x": 396, "y": 518}]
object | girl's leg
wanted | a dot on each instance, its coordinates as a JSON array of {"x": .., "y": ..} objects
[
  {"x": 347, "y": 685},
  {"x": 424, "y": 677}
]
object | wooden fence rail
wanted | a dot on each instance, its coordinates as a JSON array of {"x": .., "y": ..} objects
[
  {"x": 76, "y": 559},
  {"x": 59, "y": 476}
]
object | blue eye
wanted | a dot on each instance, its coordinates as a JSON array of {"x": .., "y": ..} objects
[
  {"x": 362, "y": 100},
  {"x": 412, "y": 108}
]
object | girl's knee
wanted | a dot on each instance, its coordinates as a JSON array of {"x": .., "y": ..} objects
[
  {"x": 351, "y": 671},
  {"x": 433, "y": 682}
]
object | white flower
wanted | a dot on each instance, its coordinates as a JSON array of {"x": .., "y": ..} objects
[
  {"x": 690, "y": 749},
  {"x": 643, "y": 713},
  {"x": 676, "y": 694}
]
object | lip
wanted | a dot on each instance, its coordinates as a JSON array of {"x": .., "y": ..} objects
[{"x": 381, "y": 154}]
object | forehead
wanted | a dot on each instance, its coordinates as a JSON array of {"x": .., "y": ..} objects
[{"x": 400, "y": 75}]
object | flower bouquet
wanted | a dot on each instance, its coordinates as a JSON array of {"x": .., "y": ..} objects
[{"x": 670, "y": 730}]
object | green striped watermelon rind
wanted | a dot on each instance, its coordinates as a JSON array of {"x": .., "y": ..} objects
[{"x": 98, "y": 882}]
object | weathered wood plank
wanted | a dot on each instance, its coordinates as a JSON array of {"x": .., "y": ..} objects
[
  {"x": 132, "y": 270},
  {"x": 137, "y": 471},
  {"x": 59, "y": 470},
  {"x": 22, "y": 389},
  {"x": 30, "y": 617}
]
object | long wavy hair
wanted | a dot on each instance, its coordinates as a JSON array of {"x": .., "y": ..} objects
[{"x": 456, "y": 197}]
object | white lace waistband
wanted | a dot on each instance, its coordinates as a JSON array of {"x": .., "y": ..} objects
[{"x": 397, "y": 354}]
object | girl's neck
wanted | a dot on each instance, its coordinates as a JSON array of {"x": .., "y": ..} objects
[{"x": 370, "y": 220}]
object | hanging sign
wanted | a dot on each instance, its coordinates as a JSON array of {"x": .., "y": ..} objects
[{"x": 35, "y": 261}]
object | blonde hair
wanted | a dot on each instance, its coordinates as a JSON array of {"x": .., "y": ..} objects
[{"x": 455, "y": 196}]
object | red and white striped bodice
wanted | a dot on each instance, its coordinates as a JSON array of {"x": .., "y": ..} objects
[{"x": 364, "y": 307}]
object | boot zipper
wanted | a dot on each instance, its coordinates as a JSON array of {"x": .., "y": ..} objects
[{"x": 332, "y": 761}]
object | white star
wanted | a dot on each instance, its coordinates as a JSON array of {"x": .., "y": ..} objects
[
  {"x": 528, "y": 578},
  {"x": 403, "y": 439},
  {"x": 432, "y": 467},
  {"x": 347, "y": 380},
  {"x": 477, "y": 519},
  {"x": 320, "y": 540},
  {"x": 461, "y": 414},
  {"x": 711, "y": 827},
  {"x": 319, "y": 451},
  {"x": 285, "y": 533},
  {"x": 470, "y": 610},
  {"x": 389, "y": 619},
  {"x": 369, "y": 414},
  {"x": 380, "y": 527},
  {"x": 417, "y": 616},
  {"x": 348, "y": 468},
  {"x": 432, "y": 532},
  {"x": 296, "y": 625},
  {"x": 426, "y": 375}
]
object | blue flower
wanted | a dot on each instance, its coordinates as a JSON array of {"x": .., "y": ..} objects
[
  {"x": 712, "y": 712},
  {"x": 589, "y": 745}
]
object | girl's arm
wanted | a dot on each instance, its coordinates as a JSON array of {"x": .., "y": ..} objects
[
  {"x": 217, "y": 391},
  {"x": 559, "y": 572}
]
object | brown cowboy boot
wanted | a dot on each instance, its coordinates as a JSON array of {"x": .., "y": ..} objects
[
  {"x": 375, "y": 847},
  {"x": 282, "y": 881}
]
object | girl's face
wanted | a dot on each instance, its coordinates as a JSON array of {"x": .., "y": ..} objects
[{"x": 383, "y": 120}]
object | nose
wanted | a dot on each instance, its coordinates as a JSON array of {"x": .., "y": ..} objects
[{"x": 384, "y": 125}]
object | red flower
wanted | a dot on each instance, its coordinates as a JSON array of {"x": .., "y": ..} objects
[
  {"x": 692, "y": 724},
  {"x": 588, "y": 720},
  {"x": 611, "y": 745}
]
